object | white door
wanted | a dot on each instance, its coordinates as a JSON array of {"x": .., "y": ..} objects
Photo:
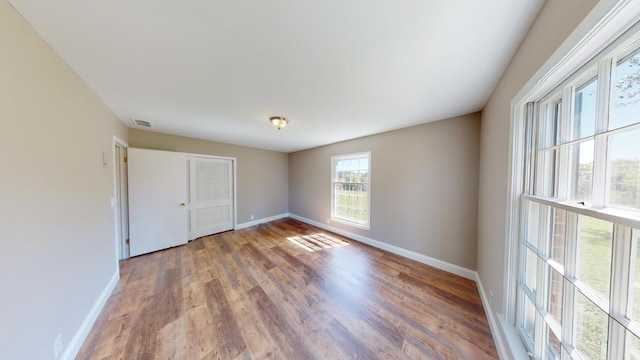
[
  {"x": 122, "y": 200},
  {"x": 210, "y": 196},
  {"x": 157, "y": 200}
]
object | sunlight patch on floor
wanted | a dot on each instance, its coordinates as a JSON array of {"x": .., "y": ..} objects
[{"x": 315, "y": 242}]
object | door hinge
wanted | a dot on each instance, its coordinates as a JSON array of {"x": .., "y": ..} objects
[
  {"x": 127, "y": 241},
  {"x": 125, "y": 159}
]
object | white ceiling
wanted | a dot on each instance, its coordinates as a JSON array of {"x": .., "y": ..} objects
[{"x": 336, "y": 69}]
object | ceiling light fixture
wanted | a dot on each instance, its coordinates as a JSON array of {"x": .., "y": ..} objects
[{"x": 279, "y": 121}]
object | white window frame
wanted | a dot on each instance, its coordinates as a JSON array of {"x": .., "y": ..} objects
[
  {"x": 600, "y": 29},
  {"x": 334, "y": 217}
]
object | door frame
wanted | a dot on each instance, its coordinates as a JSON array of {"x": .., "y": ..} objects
[{"x": 116, "y": 202}]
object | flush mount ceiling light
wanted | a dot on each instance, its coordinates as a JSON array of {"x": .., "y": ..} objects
[{"x": 279, "y": 121}]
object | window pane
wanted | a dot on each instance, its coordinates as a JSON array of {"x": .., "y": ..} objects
[
  {"x": 632, "y": 347},
  {"x": 531, "y": 269},
  {"x": 538, "y": 225},
  {"x": 533, "y": 221},
  {"x": 549, "y": 127},
  {"x": 581, "y": 171},
  {"x": 553, "y": 346},
  {"x": 546, "y": 179},
  {"x": 353, "y": 176},
  {"x": 634, "y": 279},
  {"x": 364, "y": 164},
  {"x": 555, "y": 296},
  {"x": 584, "y": 121},
  {"x": 350, "y": 200},
  {"x": 558, "y": 241},
  {"x": 529, "y": 319},
  {"x": 591, "y": 329},
  {"x": 625, "y": 170},
  {"x": 350, "y": 176},
  {"x": 626, "y": 87},
  {"x": 594, "y": 254}
]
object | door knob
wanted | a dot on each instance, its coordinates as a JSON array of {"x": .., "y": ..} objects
[{"x": 183, "y": 204}]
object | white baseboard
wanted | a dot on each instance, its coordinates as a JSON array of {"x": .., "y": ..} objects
[
  {"x": 507, "y": 341},
  {"x": 503, "y": 353},
  {"x": 260, "y": 221},
  {"x": 79, "y": 337},
  {"x": 442, "y": 265}
]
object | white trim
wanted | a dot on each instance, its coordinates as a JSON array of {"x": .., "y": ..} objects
[
  {"x": 515, "y": 346},
  {"x": 116, "y": 214},
  {"x": 514, "y": 186},
  {"x": 235, "y": 193},
  {"x": 628, "y": 218},
  {"x": 349, "y": 223},
  {"x": 81, "y": 334},
  {"x": 504, "y": 350},
  {"x": 608, "y": 20},
  {"x": 442, "y": 265},
  {"x": 261, "y": 221}
]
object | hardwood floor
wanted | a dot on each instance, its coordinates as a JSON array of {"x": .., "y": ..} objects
[{"x": 287, "y": 290}]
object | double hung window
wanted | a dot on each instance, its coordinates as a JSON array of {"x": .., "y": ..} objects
[
  {"x": 578, "y": 288},
  {"x": 350, "y": 189}
]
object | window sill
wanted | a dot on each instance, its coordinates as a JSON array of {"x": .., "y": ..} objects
[
  {"x": 355, "y": 225},
  {"x": 514, "y": 343},
  {"x": 626, "y": 217}
]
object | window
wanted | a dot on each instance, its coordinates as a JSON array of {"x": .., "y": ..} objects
[
  {"x": 350, "y": 189},
  {"x": 578, "y": 284}
]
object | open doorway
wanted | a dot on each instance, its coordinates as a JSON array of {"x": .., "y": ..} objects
[{"x": 121, "y": 198}]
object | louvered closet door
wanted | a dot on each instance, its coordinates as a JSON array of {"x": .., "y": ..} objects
[{"x": 210, "y": 196}]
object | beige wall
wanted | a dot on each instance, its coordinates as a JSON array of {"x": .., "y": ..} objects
[
  {"x": 56, "y": 221},
  {"x": 556, "y": 21},
  {"x": 262, "y": 174},
  {"x": 424, "y": 182}
]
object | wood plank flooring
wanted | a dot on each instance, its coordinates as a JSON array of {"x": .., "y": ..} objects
[{"x": 287, "y": 290}]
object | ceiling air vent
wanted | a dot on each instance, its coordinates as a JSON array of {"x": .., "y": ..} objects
[{"x": 142, "y": 123}]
